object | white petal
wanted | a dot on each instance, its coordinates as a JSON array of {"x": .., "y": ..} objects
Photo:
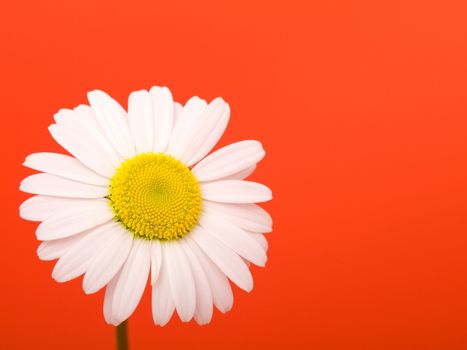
[
  {"x": 83, "y": 120},
  {"x": 235, "y": 238},
  {"x": 108, "y": 300},
  {"x": 262, "y": 241},
  {"x": 235, "y": 191},
  {"x": 64, "y": 166},
  {"x": 75, "y": 218},
  {"x": 76, "y": 117},
  {"x": 227, "y": 260},
  {"x": 209, "y": 132},
  {"x": 229, "y": 160},
  {"x": 105, "y": 264},
  {"x": 52, "y": 185},
  {"x": 76, "y": 260},
  {"x": 181, "y": 280},
  {"x": 65, "y": 116},
  {"x": 163, "y": 107},
  {"x": 141, "y": 120},
  {"x": 204, "y": 309},
  {"x": 86, "y": 113},
  {"x": 156, "y": 260},
  {"x": 183, "y": 132},
  {"x": 243, "y": 174},
  {"x": 113, "y": 120},
  {"x": 249, "y": 217},
  {"x": 220, "y": 287},
  {"x": 162, "y": 302},
  {"x": 40, "y": 208},
  {"x": 88, "y": 145},
  {"x": 51, "y": 250},
  {"x": 178, "y": 109},
  {"x": 132, "y": 280}
]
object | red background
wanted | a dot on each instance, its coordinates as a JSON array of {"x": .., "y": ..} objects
[{"x": 361, "y": 106}]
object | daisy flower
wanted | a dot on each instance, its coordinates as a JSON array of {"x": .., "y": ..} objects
[{"x": 140, "y": 199}]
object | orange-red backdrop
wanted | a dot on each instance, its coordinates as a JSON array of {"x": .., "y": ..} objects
[{"x": 362, "y": 108}]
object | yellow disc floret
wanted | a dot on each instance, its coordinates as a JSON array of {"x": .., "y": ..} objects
[{"x": 155, "y": 196}]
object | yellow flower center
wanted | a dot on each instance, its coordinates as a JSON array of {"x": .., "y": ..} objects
[{"x": 155, "y": 196}]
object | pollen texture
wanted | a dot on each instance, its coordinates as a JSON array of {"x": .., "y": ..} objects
[{"x": 155, "y": 196}]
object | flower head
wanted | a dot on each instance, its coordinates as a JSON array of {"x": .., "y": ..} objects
[{"x": 140, "y": 198}]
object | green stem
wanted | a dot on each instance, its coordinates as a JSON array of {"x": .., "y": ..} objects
[{"x": 122, "y": 336}]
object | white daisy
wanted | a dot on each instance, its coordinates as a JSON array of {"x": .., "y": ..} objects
[{"x": 139, "y": 196}]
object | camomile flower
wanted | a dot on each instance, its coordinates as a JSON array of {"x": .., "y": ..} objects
[{"x": 140, "y": 199}]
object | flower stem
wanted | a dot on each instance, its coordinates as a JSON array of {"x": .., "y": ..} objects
[{"x": 122, "y": 337}]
